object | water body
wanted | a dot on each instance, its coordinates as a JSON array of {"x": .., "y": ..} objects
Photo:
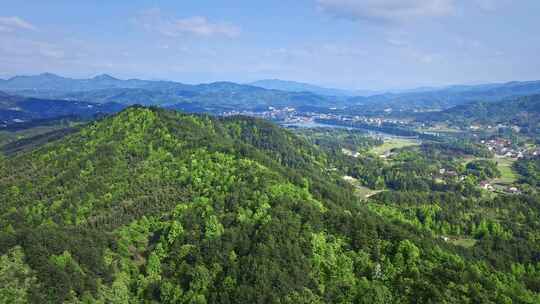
[{"x": 313, "y": 124}]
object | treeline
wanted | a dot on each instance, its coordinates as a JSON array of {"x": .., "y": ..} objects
[{"x": 529, "y": 170}]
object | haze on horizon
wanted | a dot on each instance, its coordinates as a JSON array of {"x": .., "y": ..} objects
[{"x": 370, "y": 44}]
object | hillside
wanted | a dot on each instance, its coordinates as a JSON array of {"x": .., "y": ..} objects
[
  {"x": 216, "y": 97},
  {"x": 522, "y": 111},
  {"x": 294, "y": 86},
  {"x": 152, "y": 205},
  {"x": 54, "y": 83},
  {"x": 443, "y": 98},
  {"x": 17, "y": 110}
]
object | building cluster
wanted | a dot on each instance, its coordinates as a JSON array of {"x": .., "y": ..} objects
[
  {"x": 486, "y": 185},
  {"x": 350, "y": 153},
  {"x": 292, "y": 115},
  {"x": 502, "y": 147},
  {"x": 494, "y": 127},
  {"x": 447, "y": 173},
  {"x": 505, "y": 148},
  {"x": 271, "y": 113}
]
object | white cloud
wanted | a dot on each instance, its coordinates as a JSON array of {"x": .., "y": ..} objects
[
  {"x": 24, "y": 48},
  {"x": 386, "y": 10},
  {"x": 201, "y": 26},
  {"x": 48, "y": 50},
  {"x": 486, "y": 5},
  {"x": 342, "y": 50},
  {"x": 153, "y": 20},
  {"x": 10, "y": 24},
  {"x": 397, "y": 42},
  {"x": 427, "y": 58},
  {"x": 494, "y": 5}
]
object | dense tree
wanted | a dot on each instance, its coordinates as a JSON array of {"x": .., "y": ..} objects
[{"x": 154, "y": 206}]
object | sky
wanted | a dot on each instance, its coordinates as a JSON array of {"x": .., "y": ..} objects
[{"x": 354, "y": 44}]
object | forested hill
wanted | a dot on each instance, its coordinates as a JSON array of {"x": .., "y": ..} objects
[
  {"x": 444, "y": 98},
  {"x": 223, "y": 96},
  {"x": 17, "y": 109},
  {"x": 154, "y": 206},
  {"x": 293, "y": 86},
  {"x": 522, "y": 111}
]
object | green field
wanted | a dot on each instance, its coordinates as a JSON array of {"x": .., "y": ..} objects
[
  {"x": 439, "y": 128},
  {"x": 508, "y": 176},
  {"x": 463, "y": 242},
  {"x": 394, "y": 143},
  {"x": 361, "y": 191},
  {"x": 364, "y": 192}
]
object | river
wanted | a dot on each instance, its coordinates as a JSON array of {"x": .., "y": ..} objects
[{"x": 313, "y": 124}]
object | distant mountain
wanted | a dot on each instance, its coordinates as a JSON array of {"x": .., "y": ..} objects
[
  {"x": 57, "y": 85},
  {"x": 217, "y": 96},
  {"x": 51, "y": 82},
  {"x": 293, "y": 86},
  {"x": 522, "y": 111},
  {"x": 128, "y": 96},
  {"x": 16, "y": 109},
  {"x": 448, "y": 97},
  {"x": 228, "y": 96},
  {"x": 212, "y": 97}
]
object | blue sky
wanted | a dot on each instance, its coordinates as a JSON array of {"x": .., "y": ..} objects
[{"x": 357, "y": 44}]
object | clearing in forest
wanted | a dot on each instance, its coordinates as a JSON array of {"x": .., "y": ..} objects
[{"x": 394, "y": 143}]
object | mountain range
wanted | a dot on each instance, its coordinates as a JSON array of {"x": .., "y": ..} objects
[
  {"x": 294, "y": 86},
  {"x": 521, "y": 111},
  {"x": 16, "y": 110},
  {"x": 443, "y": 98},
  {"x": 229, "y": 96},
  {"x": 52, "y": 82},
  {"x": 218, "y": 96}
]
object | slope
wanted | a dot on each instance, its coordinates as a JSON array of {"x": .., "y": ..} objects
[
  {"x": 522, "y": 111},
  {"x": 17, "y": 109},
  {"x": 293, "y": 86},
  {"x": 444, "y": 98},
  {"x": 157, "y": 206}
]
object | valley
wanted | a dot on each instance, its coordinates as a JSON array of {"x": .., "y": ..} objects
[
  {"x": 180, "y": 207},
  {"x": 150, "y": 188},
  {"x": 270, "y": 152}
]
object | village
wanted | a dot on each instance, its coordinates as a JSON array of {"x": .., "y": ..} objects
[
  {"x": 291, "y": 115},
  {"x": 502, "y": 147},
  {"x": 505, "y": 151}
]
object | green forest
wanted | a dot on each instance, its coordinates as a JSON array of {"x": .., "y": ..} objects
[{"x": 156, "y": 206}]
